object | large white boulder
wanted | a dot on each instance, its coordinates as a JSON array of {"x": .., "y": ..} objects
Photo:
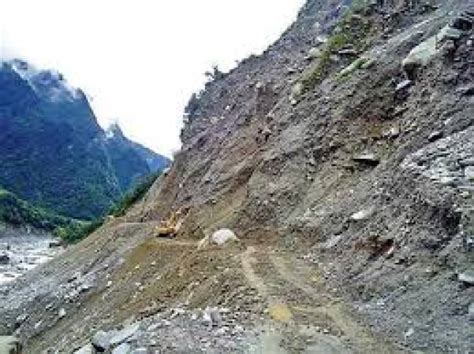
[{"x": 222, "y": 236}]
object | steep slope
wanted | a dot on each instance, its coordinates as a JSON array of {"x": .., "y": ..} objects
[
  {"x": 52, "y": 151},
  {"x": 342, "y": 158}
]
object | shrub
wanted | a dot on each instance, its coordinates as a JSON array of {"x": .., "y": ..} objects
[
  {"x": 353, "y": 30},
  {"x": 77, "y": 231},
  {"x": 133, "y": 196},
  {"x": 17, "y": 212}
]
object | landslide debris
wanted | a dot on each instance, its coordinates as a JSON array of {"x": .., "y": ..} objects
[{"x": 352, "y": 202}]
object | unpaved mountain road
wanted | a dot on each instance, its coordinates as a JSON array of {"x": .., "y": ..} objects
[{"x": 303, "y": 317}]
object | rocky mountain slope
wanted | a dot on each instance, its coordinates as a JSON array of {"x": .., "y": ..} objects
[
  {"x": 342, "y": 158},
  {"x": 52, "y": 151}
]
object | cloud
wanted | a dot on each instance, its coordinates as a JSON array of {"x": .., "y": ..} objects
[{"x": 140, "y": 61}]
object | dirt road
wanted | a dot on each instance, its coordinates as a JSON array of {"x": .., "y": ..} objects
[{"x": 303, "y": 317}]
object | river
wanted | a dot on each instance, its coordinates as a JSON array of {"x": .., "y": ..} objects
[{"x": 21, "y": 253}]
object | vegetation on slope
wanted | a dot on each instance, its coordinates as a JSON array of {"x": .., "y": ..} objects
[
  {"x": 16, "y": 212},
  {"x": 80, "y": 170},
  {"x": 354, "y": 31},
  {"x": 75, "y": 232}
]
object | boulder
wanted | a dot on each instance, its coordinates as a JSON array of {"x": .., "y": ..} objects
[
  {"x": 62, "y": 313},
  {"x": 402, "y": 86},
  {"x": 297, "y": 90},
  {"x": 223, "y": 236},
  {"x": 466, "y": 277},
  {"x": 101, "y": 341},
  {"x": 469, "y": 173},
  {"x": 10, "y": 345},
  {"x": 435, "y": 136},
  {"x": 363, "y": 214},
  {"x": 424, "y": 52},
  {"x": 123, "y": 348},
  {"x": 462, "y": 22},
  {"x": 124, "y": 334},
  {"x": 87, "y": 349},
  {"x": 314, "y": 53},
  {"x": 55, "y": 244},
  {"x": 212, "y": 317},
  {"x": 219, "y": 238},
  {"x": 4, "y": 259},
  {"x": 420, "y": 56},
  {"x": 367, "y": 159},
  {"x": 355, "y": 65},
  {"x": 351, "y": 52}
]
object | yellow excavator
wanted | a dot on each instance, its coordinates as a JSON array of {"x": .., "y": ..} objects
[{"x": 170, "y": 227}]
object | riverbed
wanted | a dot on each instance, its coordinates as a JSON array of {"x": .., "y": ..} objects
[{"x": 21, "y": 253}]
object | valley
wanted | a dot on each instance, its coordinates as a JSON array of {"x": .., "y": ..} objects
[{"x": 322, "y": 202}]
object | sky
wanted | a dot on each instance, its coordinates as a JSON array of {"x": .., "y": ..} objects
[{"x": 139, "y": 61}]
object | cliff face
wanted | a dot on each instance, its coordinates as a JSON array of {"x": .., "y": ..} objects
[
  {"x": 52, "y": 151},
  {"x": 342, "y": 158}
]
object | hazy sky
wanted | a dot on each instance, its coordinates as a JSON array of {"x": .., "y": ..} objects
[{"x": 141, "y": 60}]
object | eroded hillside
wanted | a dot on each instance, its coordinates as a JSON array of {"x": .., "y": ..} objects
[{"x": 342, "y": 158}]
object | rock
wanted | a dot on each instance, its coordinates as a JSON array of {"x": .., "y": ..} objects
[
  {"x": 463, "y": 22},
  {"x": 297, "y": 90},
  {"x": 123, "y": 348},
  {"x": 422, "y": 54},
  {"x": 62, "y": 313},
  {"x": 469, "y": 173},
  {"x": 223, "y": 236},
  {"x": 402, "y": 86},
  {"x": 363, "y": 214},
  {"x": 314, "y": 53},
  {"x": 435, "y": 136},
  {"x": 393, "y": 132},
  {"x": 467, "y": 90},
  {"x": 367, "y": 159},
  {"x": 212, "y": 317},
  {"x": 124, "y": 334},
  {"x": 55, "y": 244},
  {"x": 466, "y": 277},
  {"x": 355, "y": 65},
  {"x": 4, "y": 259},
  {"x": 470, "y": 311},
  {"x": 347, "y": 52},
  {"x": 10, "y": 345},
  {"x": 409, "y": 332},
  {"x": 332, "y": 242},
  {"x": 419, "y": 56},
  {"x": 452, "y": 34},
  {"x": 140, "y": 351},
  {"x": 87, "y": 349},
  {"x": 321, "y": 40},
  {"x": 203, "y": 243},
  {"x": 101, "y": 341}
]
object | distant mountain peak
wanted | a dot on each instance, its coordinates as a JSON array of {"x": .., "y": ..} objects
[
  {"x": 49, "y": 128},
  {"x": 49, "y": 84},
  {"x": 114, "y": 131}
]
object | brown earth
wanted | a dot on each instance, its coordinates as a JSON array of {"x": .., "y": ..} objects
[{"x": 338, "y": 252}]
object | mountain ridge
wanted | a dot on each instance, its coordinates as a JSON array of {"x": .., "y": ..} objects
[
  {"x": 345, "y": 171},
  {"x": 54, "y": 153}
]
